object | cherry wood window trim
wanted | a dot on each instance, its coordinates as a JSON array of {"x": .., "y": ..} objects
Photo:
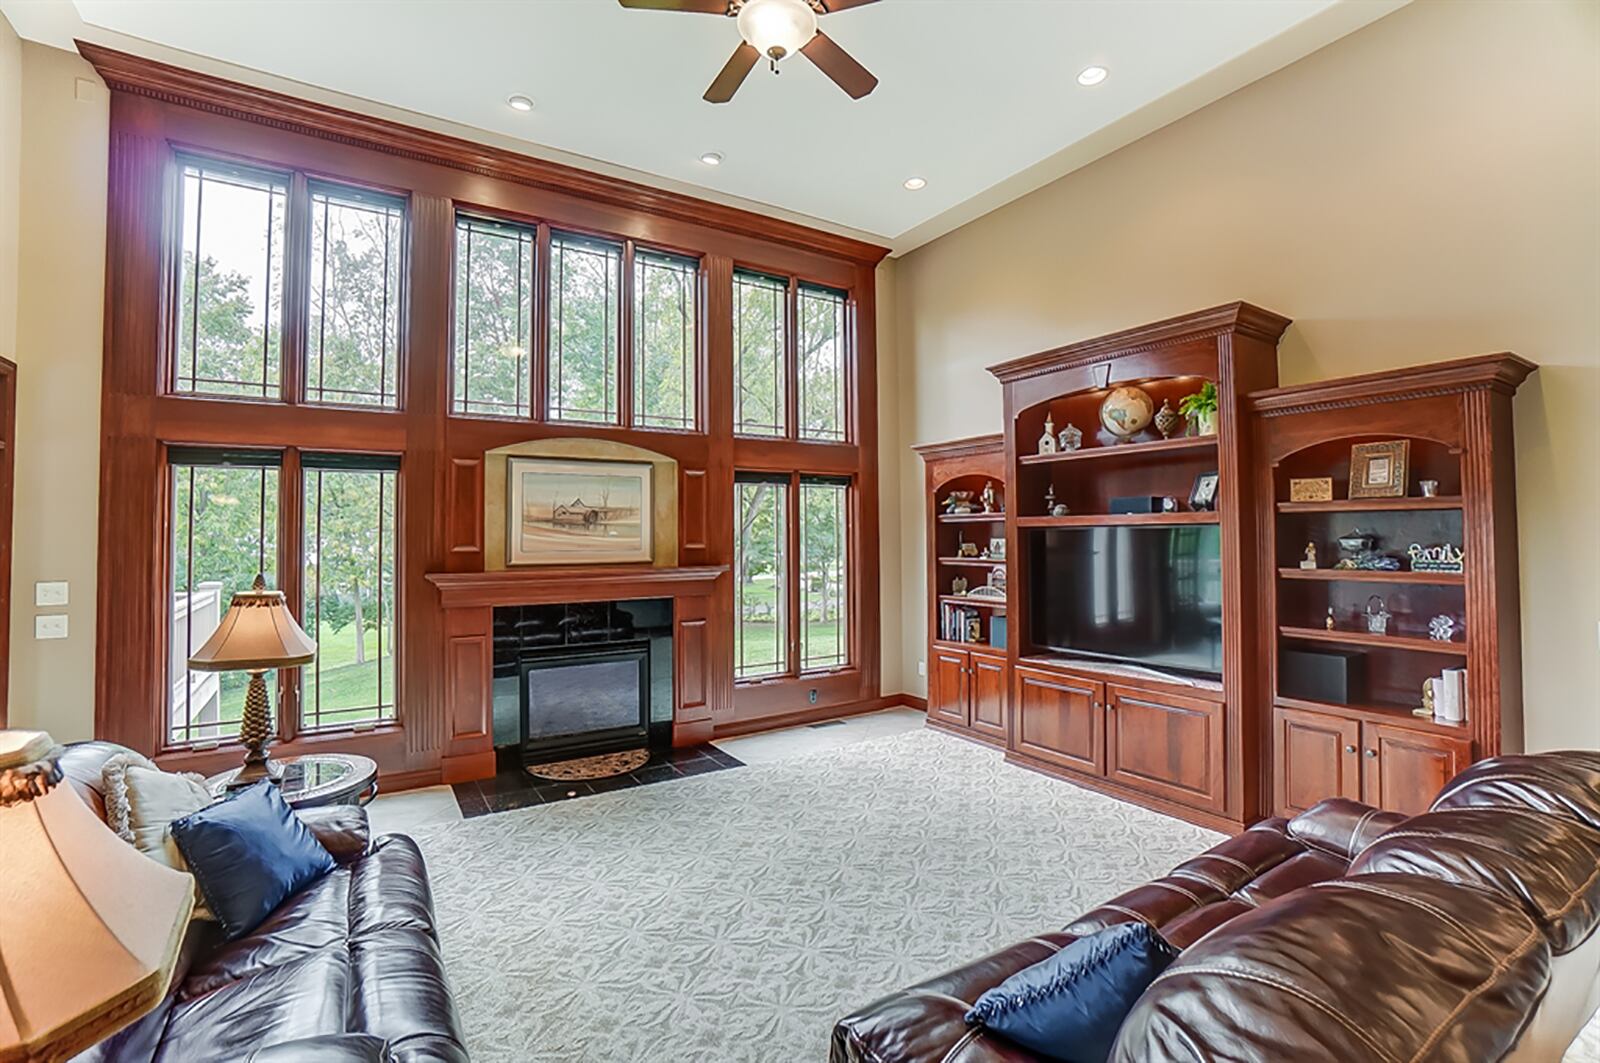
[
  {"x": 159, "y": 111},
  {"x": 792, "y": 413}
]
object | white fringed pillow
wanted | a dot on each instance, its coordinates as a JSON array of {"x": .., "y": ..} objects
[{"x": 141, "y": 800}]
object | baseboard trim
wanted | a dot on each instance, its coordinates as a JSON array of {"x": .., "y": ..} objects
[
  {"x": 970, "y": 736},
  {"x": 467, "y": 767},
  {"x": 394, "y": 782},
  {"x": 737, "y": 728},
  {"x": 1217, "y": 821}
]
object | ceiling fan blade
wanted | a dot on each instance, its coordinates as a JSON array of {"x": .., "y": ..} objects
[
  {"x": 740, "y": 64},
  {"x": 842, "y": 5},
  {"x": 835, "y": 62},
  {"x": 696, "y": 7}
]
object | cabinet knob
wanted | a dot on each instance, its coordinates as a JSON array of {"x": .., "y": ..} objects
[
  {"x": 1372, "y": 752},
  {"x": 1349, "y": 749}
]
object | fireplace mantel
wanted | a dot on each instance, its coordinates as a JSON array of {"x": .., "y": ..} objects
[
  {"x": 703, "y": 662},
  {"x": 589, "y": 583}
]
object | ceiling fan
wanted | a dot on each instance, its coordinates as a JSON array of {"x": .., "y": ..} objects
[{"x": 776, "y": 29}]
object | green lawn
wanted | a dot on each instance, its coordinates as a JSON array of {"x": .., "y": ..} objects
[
  {"x": 757, "y": 647},
  {"x": 343, "y": 681}
]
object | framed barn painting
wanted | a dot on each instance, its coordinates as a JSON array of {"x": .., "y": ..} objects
[{"x": 563, "y": 512}]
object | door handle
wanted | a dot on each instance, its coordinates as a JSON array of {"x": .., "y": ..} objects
[
  {"x": 1349, "y": 749},
  {"x": 1372, "y": 752}
]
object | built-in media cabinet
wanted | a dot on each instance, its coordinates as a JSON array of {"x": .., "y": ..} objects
[
  {"x": 1199, "y": 617},
  {"x": 1177, "y": 723},
  {"x": 969, "y": 678},
  {"x": 1359, "y": 737}
]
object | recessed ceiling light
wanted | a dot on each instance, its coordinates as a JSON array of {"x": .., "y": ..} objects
[
  {"x": 915, "y": 184},
  {"x": 712, "y": 158},
  {"x": 1092, "y": 75},
  {"x": 520, "y": 102}
]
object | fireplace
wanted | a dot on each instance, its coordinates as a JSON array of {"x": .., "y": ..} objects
[{"x": 585, "y": 702}]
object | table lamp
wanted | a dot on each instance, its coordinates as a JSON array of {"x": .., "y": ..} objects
[
  {"x": 257, "y": 633},
  {"x": 89, "y": 926}
]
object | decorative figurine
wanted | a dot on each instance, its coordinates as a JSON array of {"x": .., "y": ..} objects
[
  {"x": 1329, "y": 622},
  {"x": 990, "y": 499},
  {"x": 1430, "y": 488},
  {"x": 1378, "y": 615},
  {"x": 964, "y": 548},
  {"x": 1169, "y": 504},
  {"x": 974, "y": 629},
  {"x": 960, "y": 502},
  {"x": 1126, "y": 411},
  {"x": 1051, "y": 506},
  {"x": 1427, "y": 699},
  {"x": 1362, "y": 546},
  {"x": 1047, "y": 442},
  {"x": 1442, "y": 628},
  {"x": 1311, "y": 556},
  {"x": 1071, "y": 438},
  {"x": 958, "y": 586},
  {"x": 1441, "y": 558},
  {"x": 997, "y": 578},
  {"x": 1167, "y": 419}
]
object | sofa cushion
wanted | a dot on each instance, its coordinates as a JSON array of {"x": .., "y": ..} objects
[
  {"x": 1550, "y": 865},
  {"x": 1562, "y": 784},
  {"x": 1380, "y": 967},
  {"x": 306, "y": 997},
  {"x": 249, "y": 853},
  {"x": 1068, "y": 1007},
  {"x": 141, "y": 801}
]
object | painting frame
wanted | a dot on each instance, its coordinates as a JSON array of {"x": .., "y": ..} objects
[
  {"x": 614, "y": 526},
  {"x": 1379, "y": 470}
]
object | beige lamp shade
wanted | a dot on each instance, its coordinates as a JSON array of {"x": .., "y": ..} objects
[
  {"x": 89, "y": 928},
  {"x": 256, "y": 633}
]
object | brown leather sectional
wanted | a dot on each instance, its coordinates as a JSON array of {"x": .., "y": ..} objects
[
  {"x": 346, "y": 971},
  {"x": 1347, "y": 934}
]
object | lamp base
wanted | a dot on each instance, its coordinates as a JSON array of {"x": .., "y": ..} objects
[
  {"x": 251, "y": 774},
  {"x": 255, "y": 731}
]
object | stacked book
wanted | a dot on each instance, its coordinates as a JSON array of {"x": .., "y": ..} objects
[{"x": 959, "y": 623}]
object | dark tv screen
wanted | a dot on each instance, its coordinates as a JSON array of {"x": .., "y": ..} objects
[{"x": 1148, "y": 596}]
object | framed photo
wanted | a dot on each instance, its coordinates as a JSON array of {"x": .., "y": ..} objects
[
  {"x": 1311, "y": 489},
  {"x": 1378, "y": 470},
  {"x": 997, "y": 547},
  {"x": 565, "y": 512},
  {"x": 1204, "y": 495}
]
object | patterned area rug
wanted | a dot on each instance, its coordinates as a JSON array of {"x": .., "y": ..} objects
[{"x": 601, "y": 767}]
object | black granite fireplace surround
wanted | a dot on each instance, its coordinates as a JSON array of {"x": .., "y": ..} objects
[{"x": 582, "y": 679}]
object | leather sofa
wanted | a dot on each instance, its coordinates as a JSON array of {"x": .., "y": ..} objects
[
  {"x": 1347, "y": 933},
  {"x": 346, "y": 971}
]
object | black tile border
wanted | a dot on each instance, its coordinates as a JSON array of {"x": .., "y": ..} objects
[{"x": 512, "y": 788}]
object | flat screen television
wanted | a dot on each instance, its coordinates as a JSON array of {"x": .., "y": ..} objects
[{"x": 1148, "y": 596}]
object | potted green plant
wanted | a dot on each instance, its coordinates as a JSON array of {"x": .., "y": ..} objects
[{"x": 1201, "y": 407}]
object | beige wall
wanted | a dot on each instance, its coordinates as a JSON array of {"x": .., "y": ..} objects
[
  {"x": 60, "y": 295},
  {"x": 1426, "y": 188}
]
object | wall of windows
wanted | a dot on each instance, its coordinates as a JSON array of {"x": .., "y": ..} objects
[
  {"x": 494, "y": 316},
  {"x": 760, "y": 340},
  {"x": 665, "y": 333},
  {"x": 357, "y": 253}
]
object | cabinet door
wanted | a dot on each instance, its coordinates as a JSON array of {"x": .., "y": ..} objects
[
  {"x": 1403, "y": 770},
  {"x": 1313, "y": 756},
  {"x": 1060, "y": 719},
  {"x": 989, "y": 695},
  {"x": 947, "y": 687},
  {"x": 1167, "y": 745}
]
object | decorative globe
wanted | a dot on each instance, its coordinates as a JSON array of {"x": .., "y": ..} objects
[{"x": 1126, "y": 412}]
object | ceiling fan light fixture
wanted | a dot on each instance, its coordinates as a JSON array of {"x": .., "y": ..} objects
[
  {"x": 777, "y": 28},
  {"x": 1092, "y": 75}
]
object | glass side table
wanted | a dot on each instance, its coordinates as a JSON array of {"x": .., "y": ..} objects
[{"x": 317, "y": 779}]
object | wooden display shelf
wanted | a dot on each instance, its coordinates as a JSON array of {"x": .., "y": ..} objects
[
  {"x": 973, "y": 647},
  {"x": 971, "y": 518},
  {"x": 1365, "y": 638},
  {"x": 1155, "y": 448},
  {"x": 980, "y": 561},
  {"x": 981, "y": 603},
  {"x": 1372, "y": 505},
  {"x": 1361, "y": 575},
  {"x": 1399, "y": 715},
  {"x": 1090, "y": 520}
]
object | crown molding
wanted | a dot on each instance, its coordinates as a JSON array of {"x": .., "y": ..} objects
[
  {"x": 136, "y": 75},
  {"x": 1503, "y": 373}
]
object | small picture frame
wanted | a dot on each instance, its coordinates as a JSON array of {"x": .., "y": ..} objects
[
  {"x": 997, "y": 548},
  {"x": 1204, "y": 495},
  {"x": 1311, "y": 489},
  {"x": 1379, "y": 470}
]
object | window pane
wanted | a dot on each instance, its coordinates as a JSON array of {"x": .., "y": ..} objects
[
  {"x": 230, "y": 282},
  {"x": 824, "y": 587},
  {"x": 584, "y": 305},
  {"x": 761, "y": 566},
  {"x": 350, "y": 595},
  {"x": 224, "y": 531},
  {"x": 664, "y": 341},
  {"x": 494, "y": 318},
  {"x": 821, "y": 351},
  {"x": 352, "y": 349},
  {"x": 758, "y": 344}
]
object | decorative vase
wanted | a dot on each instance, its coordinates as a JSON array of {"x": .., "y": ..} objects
[
  {"x": 1208, "y": 422},
  {"x": 1167, "y": 419}
]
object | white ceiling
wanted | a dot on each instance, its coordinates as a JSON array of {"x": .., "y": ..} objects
[{"x": 972, "y": 93}]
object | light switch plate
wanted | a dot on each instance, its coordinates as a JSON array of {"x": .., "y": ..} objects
[
  {"x": 50, "y": 592},
  {"x": 50, "y": 627},
  {"x": 922, "y": 667}
]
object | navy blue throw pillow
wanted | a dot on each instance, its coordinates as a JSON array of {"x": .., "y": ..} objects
[
  {"x": 249, "y": 854},
  {"x": 1070, "y": 1006}
]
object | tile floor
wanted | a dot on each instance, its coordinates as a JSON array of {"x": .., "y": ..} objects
[{"x": 406, "y": 811}]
